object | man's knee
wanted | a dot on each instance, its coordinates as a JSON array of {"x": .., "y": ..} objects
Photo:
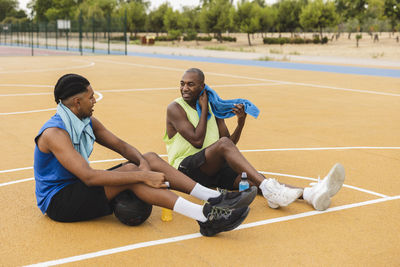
[
  {"x": 225, "y": 142},
  {"x": 128, "y": 167},
  {"x": 151, "y": 156}
]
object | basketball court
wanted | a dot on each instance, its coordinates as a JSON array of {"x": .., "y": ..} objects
[{"x": 309, "y": 120}]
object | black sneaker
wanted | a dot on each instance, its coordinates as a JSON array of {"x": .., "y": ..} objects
[
  {"x": 221, "y": 219},
  {"x": 234, "y": 200}
]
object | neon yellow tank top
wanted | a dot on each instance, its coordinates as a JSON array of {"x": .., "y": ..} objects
[{"x": 178, "y": 147}]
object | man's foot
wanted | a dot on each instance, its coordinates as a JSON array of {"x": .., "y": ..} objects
[
  {"x": 319, "y": 195},
  {"x": 278, "y": 195},
  {"x": 221, "y": 219},
  {"x": 234, "y": 200}
]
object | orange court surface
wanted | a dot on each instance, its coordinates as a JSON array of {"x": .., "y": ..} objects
[{"x": 309, "y": 120}]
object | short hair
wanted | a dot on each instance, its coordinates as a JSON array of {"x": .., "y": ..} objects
[
  {"x": 69, "y": 85},
  {"x": 199, "y": 73}
]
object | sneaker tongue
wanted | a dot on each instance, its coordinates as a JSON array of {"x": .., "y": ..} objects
[{"x": 206, "y": 209}]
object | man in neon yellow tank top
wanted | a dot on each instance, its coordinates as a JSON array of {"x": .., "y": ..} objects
[{"x": 205, "y": 151}]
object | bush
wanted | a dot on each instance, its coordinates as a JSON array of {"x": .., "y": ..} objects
[
  {"x": 228, "y": 39},
  {"x": 190, "y": 35},
  {"x": 296, "y": 40},
  {"x": 203, "y": 38}
]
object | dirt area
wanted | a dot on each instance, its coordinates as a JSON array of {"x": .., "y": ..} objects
[{"x": 387, "y": 48}]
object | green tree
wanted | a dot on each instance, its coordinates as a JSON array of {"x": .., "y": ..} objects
[
  {"x": 215, "y": 17},
  {"x": 136, "y": 15},
  {"x": 351, "y": 9},
  {"x": 247, "y": 18},
  {"x": 268, "y": 17},
  {"x": 318, "y": 15},
  {"x": 156, "y": 18},
  {"x": 8, "y": 9},
  {"x": 288, "y": 15},
  {"x": 392, "y": 12}
]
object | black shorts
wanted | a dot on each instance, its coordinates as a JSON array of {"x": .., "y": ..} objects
[
  {"x": 79, "y": 202},
  {"x": 224, "y": 178}
]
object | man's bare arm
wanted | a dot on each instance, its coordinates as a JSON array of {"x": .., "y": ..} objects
[
  {"x": 57, "y": 141},
  {"x": 241, "y": 119},
  {"x": 177, "y": 119},
  {"x": 106, "y": 138}
]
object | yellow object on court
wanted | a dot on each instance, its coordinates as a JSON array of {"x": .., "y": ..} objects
[{"x": 166, "y": 215}]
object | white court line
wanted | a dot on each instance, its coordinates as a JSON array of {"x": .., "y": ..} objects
[
  {"x": 91, "y": 64},
  {"x": 254, "y": 79},
  {"x": 253, "y": 150},
  {"x": 177, "y": 87},
  {"x": 141, "y": 89},
  {"x": 25, "y": 85},
  {"x": 197, "y": 235},
  {"x": 41, "y": 110},
  {"x": 314, "y": 179}
]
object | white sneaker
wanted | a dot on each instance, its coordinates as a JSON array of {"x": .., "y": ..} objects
[
  {"x": 278, "y": 194},
  {"x": 319, "y": 195}
]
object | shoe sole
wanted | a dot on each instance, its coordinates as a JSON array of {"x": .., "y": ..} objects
[
  {"x": 210, "y": 232},
  {"x": 321, "y": 201},
  {"x": 335, "y": 178},
  {"x": 246, "y": 200}
]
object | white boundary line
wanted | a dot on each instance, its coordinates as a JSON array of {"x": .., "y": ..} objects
[
  {"x": 41, "y": 110},
  {"x": 131, "y": 89},
  {"x": 197, "y": 235},
  {"x": 252, "y": 78},
  {"x": 251, "y": 150},
  {"x": 91, "y": 64}
]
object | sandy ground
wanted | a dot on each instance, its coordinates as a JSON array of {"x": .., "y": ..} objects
[{"x": 387, "y": 48}]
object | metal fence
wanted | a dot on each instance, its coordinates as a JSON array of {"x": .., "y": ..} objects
[{"x": 84, "y": 35}]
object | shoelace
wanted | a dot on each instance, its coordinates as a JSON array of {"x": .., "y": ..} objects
[
  {"x": 217, "y": 212},
  {"x": 222, "y": 191},
  {"x": 315, "y": 183}
]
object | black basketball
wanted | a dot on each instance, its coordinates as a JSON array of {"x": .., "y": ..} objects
[{"x": 129, "y": 209}]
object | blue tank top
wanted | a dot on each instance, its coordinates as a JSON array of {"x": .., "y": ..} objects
[{"x": 50, "y": 175}]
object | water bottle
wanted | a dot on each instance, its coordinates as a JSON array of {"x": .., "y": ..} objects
[
  {"x": 166, "y": 214},
  {"x": 244, "y": 184}
]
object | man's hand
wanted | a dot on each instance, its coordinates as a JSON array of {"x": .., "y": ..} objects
[
  {"x": 155, "y": 179},
  {"x": 239, "y": 112},
  {"x": 203, "y": 101}
]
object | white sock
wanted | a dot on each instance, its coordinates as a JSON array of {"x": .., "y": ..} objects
[
  {"x": 204, "y": 193},
  {"x": 189, "y": 209}
]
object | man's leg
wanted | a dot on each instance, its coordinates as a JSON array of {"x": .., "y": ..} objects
[
  {"x": 212, "y": 219},
  {"x": 224, "y": 150},
  {"x": 179, "y": 181}
]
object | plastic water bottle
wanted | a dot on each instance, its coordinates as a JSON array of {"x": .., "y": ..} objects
[
  {"x": 244, "y": 184},
  {"x": 166, "y": 215}
]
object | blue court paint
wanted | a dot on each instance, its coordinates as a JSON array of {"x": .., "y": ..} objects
[{"x": 394, "y": 73}]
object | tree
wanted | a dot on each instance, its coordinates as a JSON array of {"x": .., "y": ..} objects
[
  {"x": 174, "y": 23},
  {"x": 8, "y": 9},
  {"x": 392, "y": 12},
  {"x": 215, "y": 17},
  {"x": 288, "y": 15},
  {"x": 268, "y": 17},
  {"x": 318, "y": 15},
  {"x": 156, "y": 18},
  {"x": 247, "y": 17},
  {"x": 136, "y": 15},
  {"x": 351, "y": 9}
]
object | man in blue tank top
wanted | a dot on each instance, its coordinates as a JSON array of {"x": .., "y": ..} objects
[
  {"x": 68, "y": 189},
  {"x": 220, "y": 164}
]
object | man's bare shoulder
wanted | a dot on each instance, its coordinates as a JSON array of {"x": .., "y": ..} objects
[{"x": 174, "y": 108}]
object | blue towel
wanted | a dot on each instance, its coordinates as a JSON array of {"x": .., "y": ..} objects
[
  {"x": 80, "y": 131},
  {"x": 223, "y": 108}
]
